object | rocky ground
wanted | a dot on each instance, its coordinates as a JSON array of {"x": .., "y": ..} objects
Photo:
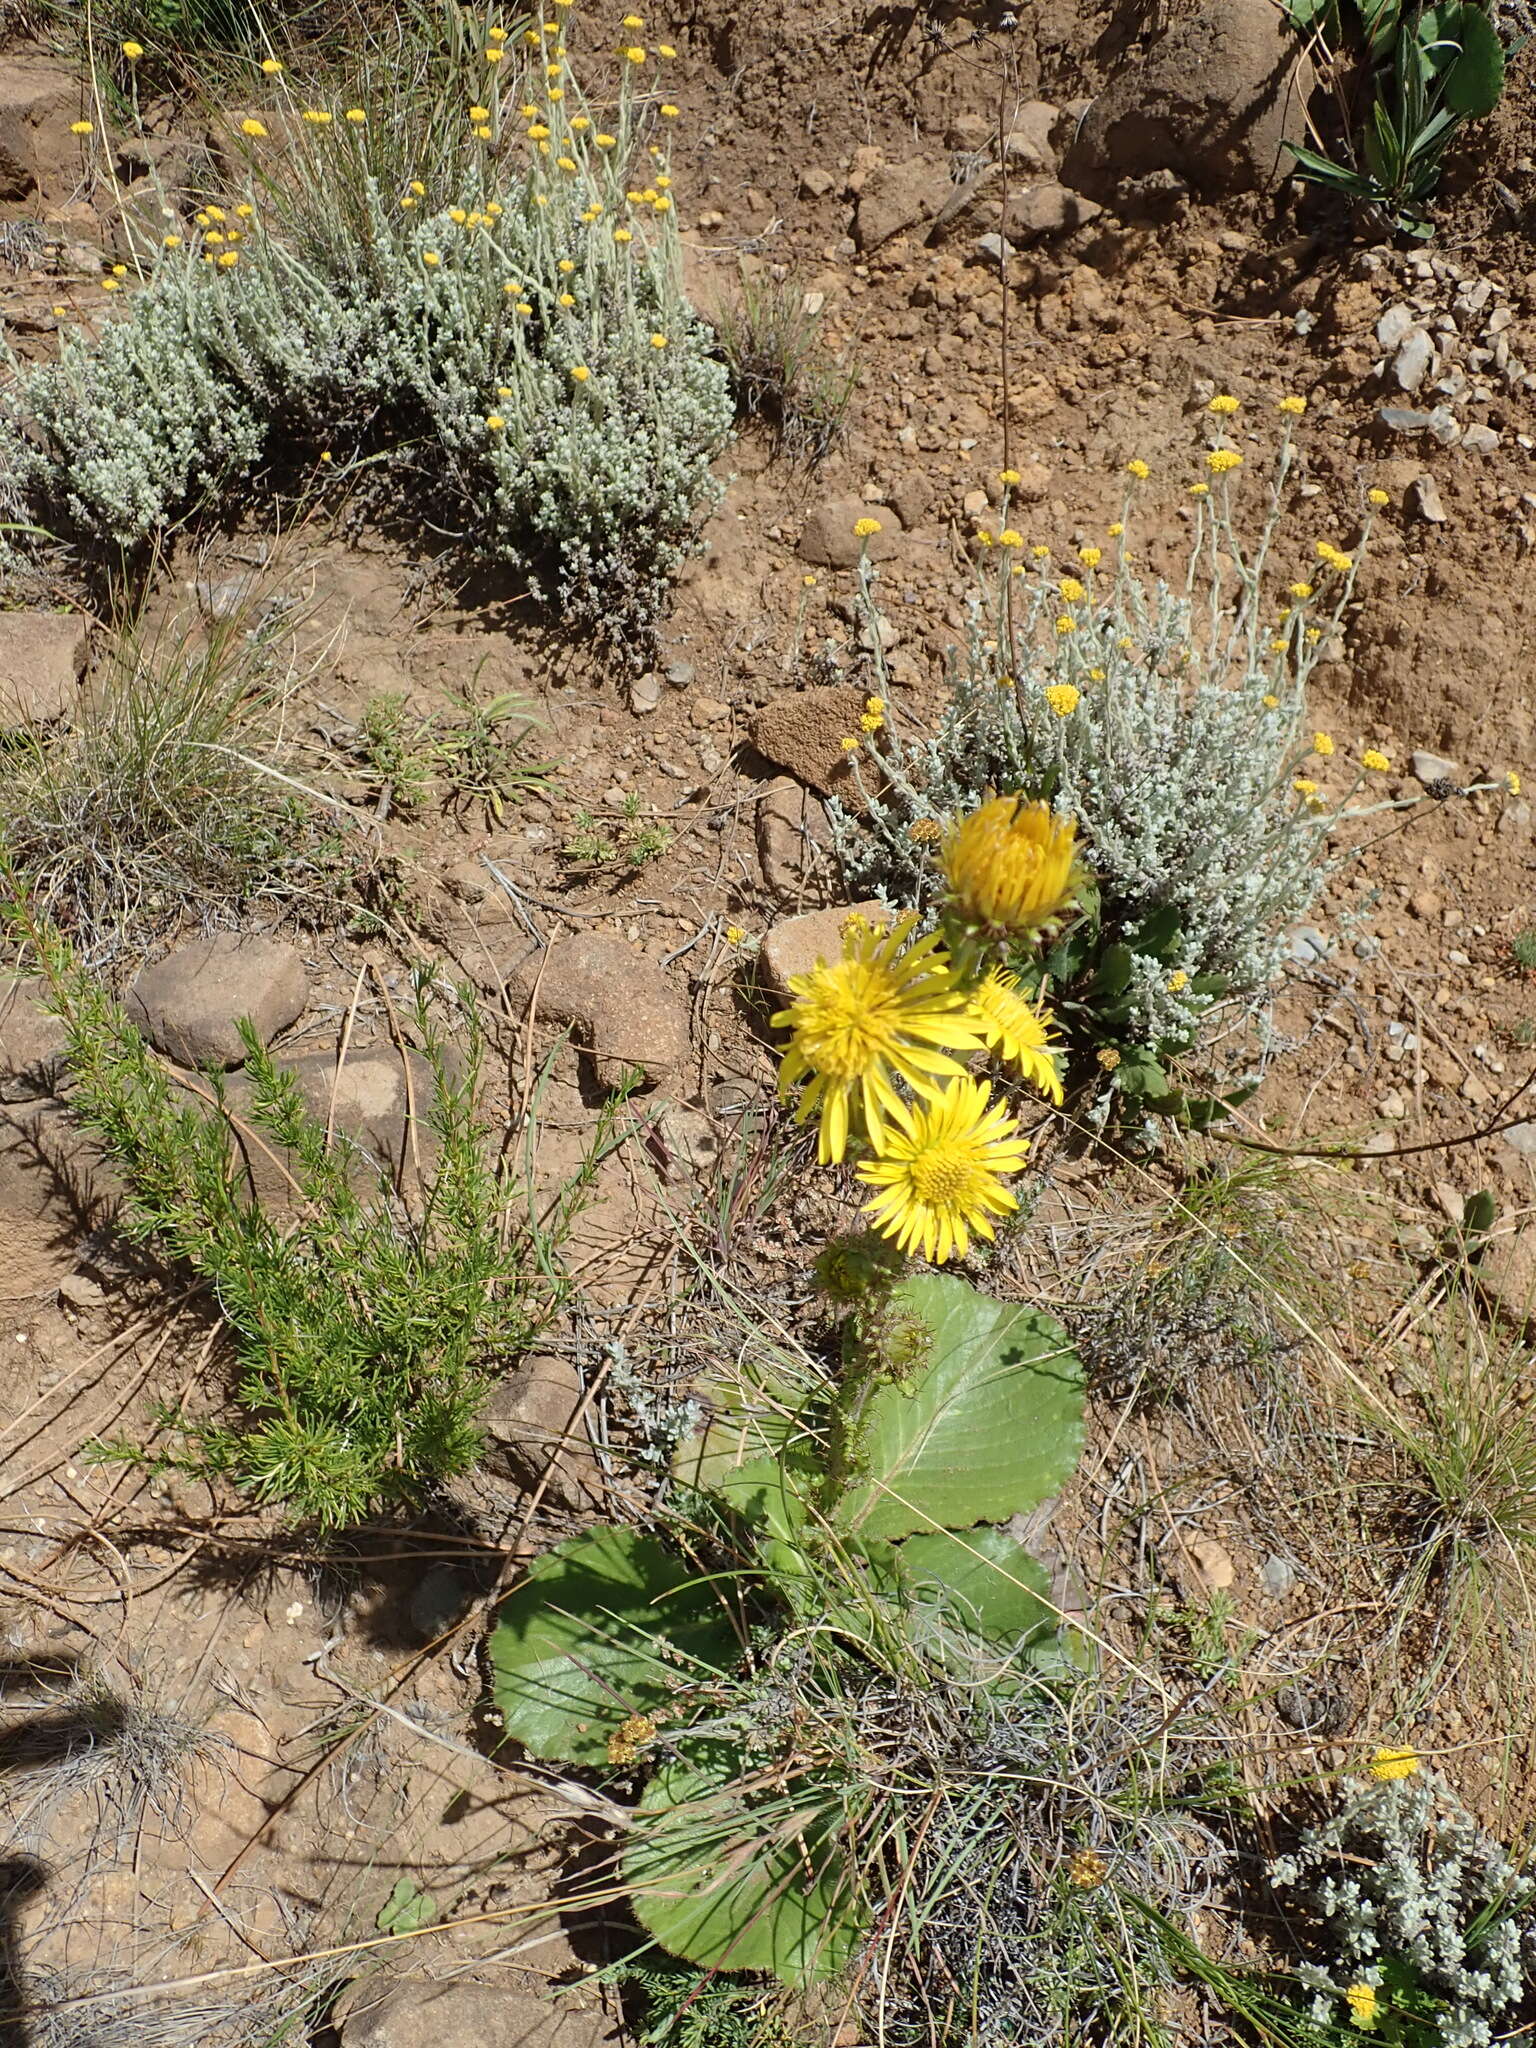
[{"x": 1152, "y": 258}]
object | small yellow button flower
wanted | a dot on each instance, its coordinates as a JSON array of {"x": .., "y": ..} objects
[
  {"x": 667, "y": 111},
  {"x": 566, "y": 299},
  {"x": 1377, "y": 497},
  {"x": 1375, "y": 759},
  {"x": 81, "y": 128},
  {"x": 864, "y": 528},
  {"x": 356, "y": 116},
  {"x": 494, "y": 423},
  {"x": 634, "y": 53},
  {"x": 133, "y": 52},
  {"x": 1071, "y": 590},
  {"x": 1222, "y": 460},
  {"x": 171, "y": 242},
  {"x": 213, "y": 238},
  {"x": 431, "y": 258},
  {"x": 272, "y": 66},
  {"x": 1300, "y": 590},
  {"x": 457, "y": 215},
  {"x": 633, "y": 21},
  {"x": 850, "y": 744},
  {"x": 1364, "y": 2005},
  {"x": 1065, "y": 624},
  {"x": 495, "y": 53},
  {"x": 217, "y": 213},
  {"x": 317, "y": 117},
  {"x": 1304, "y": 786},
  {"x": 665, "y": 50},
  {"x": 110, "y": 284},
  {"x": 1388, "y": 1764},
  {"x": 1040, "y": 554},
  {"x": 1270, "y": 701},
  {"x": 658, "y": 341},
  {"x": 1115, "y": 528},
  {"x": 1010, "y": 537},
  {"x": 605, "y": 141},
  {"x": 479, "y": 113},
  {"x": 1512, "y": 783},
  {"x": 1063, "y": 698},
  {"x": 808, "y": 580},
  {"x": 229, "y": 259},
  {"x": 1322, "y": 743},
  {"x": 581, "y": 373},
  {"x": 496, "y": 35},
  {"x": 662, "y": 203},
  {"x": 245, "y": 211},
  {"x": 1178, "y": 981},
  {"x": 1199, "y": 490},
  {"x": 1090, "y": 557},
  {"x": 418, "y": 188},
  {"x": 622, "y": 235},
  {"x": 1224, "y": 404},
  {"x": 1138, "y": 469}
]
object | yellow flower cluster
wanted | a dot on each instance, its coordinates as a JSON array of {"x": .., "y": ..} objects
[
  {"x": 1221, "y": 461},
  {"x": 1334, "y": 557}
]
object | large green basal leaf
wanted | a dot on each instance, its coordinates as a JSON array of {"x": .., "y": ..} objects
[
  {"x": 735, "y": 1886},
  {"x": 990, "y": 1425},
  {"x": 606, "y": 1625},
  {"x": 1474, "y": 83},
  {"x": 985, "y": 1580}
]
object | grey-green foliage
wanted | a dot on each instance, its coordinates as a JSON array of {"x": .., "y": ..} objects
[
  {"x": 1176, "y": 761},
  {"x": 1412, "y": 1897},
  {"x": 617, "y": 1639},
  {"x": 366, "y": 1334},
  {"x": 349, "y": 322}
]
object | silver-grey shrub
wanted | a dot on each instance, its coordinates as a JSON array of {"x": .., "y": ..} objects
[
  {"x": 1179, "y": 757},
  {"x": 1403, "y": 1874},
  {"x": 386, "y": 327}
]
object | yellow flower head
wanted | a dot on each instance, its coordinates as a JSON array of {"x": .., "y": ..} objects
[
  {"x": 356, "y": 116},
  {"x": 1293, "y": 405},
  {"x": 217, "y": 213},
  {"x": 494, "y": 53},
  {"x": 634, "y": 53},
  {"x": 1138, "y": 469},
  {"x": 658, "y": 341},
  {"x": 878, "y": 1015},
  {"x": 431, "y": 258},
  {"x": 665, "y": 50},
  {"x": 110, "y": 284},
  {"x": 171, "y": 242},
  {"x": 1071, "y": 590},
  {"x": 1374, "y": 759},
  {"x": 1377, "y": 497},
  {"x": 494, "y": 423},
  {"x": 213, "y": 238},
  {"x": 1304, "y": 786},
  {"x": 863, "y": 529},
  {"x": 1512, "y": 783},
  {"x": 1364, "y": 2006},
  {"x": 1010, "y": 537},
  {"x": 133, "y": 52},
  {"x": 940, "y": 1172},
  {"x": 1040, "y": 554},
  {"x": 229, "y": 259},
  {"x": 605, "y": 141},
  {"x": 496, "y": 35},
  {"x": 1115, "y": 529},
  {"x": 849, "y": 743},
  {"x": 1177, "y": 982},
  {"x": 1108, "y": 1058},
  {"x": 1066, "y": 624},
  {"x": 272, "y": 66},
  {"x": 1322, "y": 743},
  {"x": 623, "y": 235},
  {"x": 1271, "y": 701},
  {"x": 667, "y": 111},
  {"x": 734, "y": 934},
  {"x": 1388, "y": 1764},
  {"x": 1063, "y": 698},
  {"x": 1221, "y": 460},
  {"x": 1090, "y": 557},
  {"x": 1016, "y": 1031},
  {"x": 1223, "y": 403},
  {"x": 567, "y": 299},
  {"x": 457, "y": 215},
  {"x": 244, "y": 211},
  {"x": 1012, "y": 866},
  {"x": 1200, "y": 490},
  {"x": 317, "y": 117},
  {"x": 81, "y": 128},
  {"x": 479, "y": 113},
  {"x": 580, "y": 372},
  {"x": 1300, "y": 590}
]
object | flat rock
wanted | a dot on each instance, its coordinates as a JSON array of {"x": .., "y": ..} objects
[
  {"x": 896, "y": 197},
  {"x": 1214, "y": 100},
  {"x": 1521, "y": 1138},
  {"x": 1047, "y": 209},
  {"x": 1506, "y": 1272},
  {"x": 32, "y": 1042},
  {"x": 828, "y": 539},
  {"x": 1031, "y": 139},
  {"x": 802, "y": 731},
  {"x": 1410, "y": 365},
  {"x": 1426, "y": 502},
  {"x": 38, "y": 101},
  {"x": 532, "y": 1430},
  {"x": 415, "y": 2012},
  {"x": 188, "y": 1005},
  {"x": 373, "y": 1099},
  {"x": 628, "y": 1013},
  {"x": 815, "y": 938},
  {"x": 793, "y": 840},
  {"x": 1432, "y": 768},
  {"x": 42, "y": 658}
]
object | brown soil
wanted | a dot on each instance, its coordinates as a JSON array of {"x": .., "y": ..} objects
[{"x": 294, "y": 1830}]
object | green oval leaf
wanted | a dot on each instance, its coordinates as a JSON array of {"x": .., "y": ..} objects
[
  {"x": 606, "y": 1625},
  {"x": 990, "y": 1425},
  {"x": 736, "y": 1883},
  {"x": 1474, "y": 82}
]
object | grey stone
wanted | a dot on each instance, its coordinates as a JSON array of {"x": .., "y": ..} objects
[
  {"x": 32, "y": 1042},
  {"x": 815, "y": 183},
  {"x": 628, "y": 1014},
  {"x": 1031, "y": 139},
  {"x": 797, "y": 944},
  {"x": 645, "y": 693},
  {"x": 372, "y": 1100},
  {"x": 1425, "y": 501},
  {"x": 188, "y": 1004},
  {"x": 42, "y": 658},
  {"x": 533, "y": 1436},
  {"x": 1307, "y": 945},
  {"x": 1479, "y": 439},
  {"x": 415, "y": 2012},
  {"x": 1431, "y": 768},
  {"x": 1410, "y": 366},
  {"x": 1279, "y": 1576},
  {"x": 828, "y": 540},
  {"x": 1392, "y": 326},
  {"x": 1521, "y": 1138},
  {"x": 1438, "y": 424}
]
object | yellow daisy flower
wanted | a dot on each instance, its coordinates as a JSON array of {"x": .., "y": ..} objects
[
  {"x": 1016, "y": 1031},
  {"x": 1012, "y": 866},
  {"x": 939, "y": 1177}
]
